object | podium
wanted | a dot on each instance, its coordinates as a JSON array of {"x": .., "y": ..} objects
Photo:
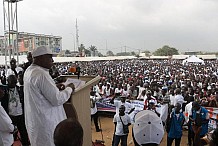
[{"x": 79, "y": 106}]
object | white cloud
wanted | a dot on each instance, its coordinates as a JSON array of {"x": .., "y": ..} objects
[{"x": 140, "y": 24}]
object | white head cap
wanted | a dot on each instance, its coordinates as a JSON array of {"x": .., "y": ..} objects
[
  {"x": 148, "y": 128},
  {"x": 42, "y": 50}
]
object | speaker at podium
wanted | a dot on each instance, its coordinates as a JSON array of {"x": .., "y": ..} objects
[{"x": 78, "y": 106}]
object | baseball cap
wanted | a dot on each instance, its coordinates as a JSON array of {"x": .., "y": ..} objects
[
  {"x": 148, "y": 128},
  {"x": 42, "y": 50}
]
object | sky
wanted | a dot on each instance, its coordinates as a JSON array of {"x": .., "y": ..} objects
[{"x": 187, "y": 25}]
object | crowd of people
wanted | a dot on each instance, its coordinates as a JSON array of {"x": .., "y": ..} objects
[
  {"x": 34, "y": 103},
  {"x": 185, "y": 89}
]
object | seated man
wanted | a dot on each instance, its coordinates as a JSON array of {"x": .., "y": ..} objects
[{"x": 68, "y": 132}]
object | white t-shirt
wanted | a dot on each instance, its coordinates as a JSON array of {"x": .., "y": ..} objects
[
  {"x": 14, "y": 104},
  {"x": 11, "y": 72},
  {"x": 125, "y": 93},
  {"x": 118, "y": 90},
  {"x": 172, "y": 99},
  {"x": 119, "y": 126},
  {"x": 118, "y": 103},
  {"x": 179, "y": 99},
  {"x": 94, "y": 99},
  {"x": 140, "y": 90},
  {"x": 107, "y": 91},
  {"x": 188, "y": 111}
]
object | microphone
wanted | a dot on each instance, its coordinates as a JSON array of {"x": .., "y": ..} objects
[{"x": 75, "y": 70}]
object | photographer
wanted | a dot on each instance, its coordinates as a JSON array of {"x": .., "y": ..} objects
[{"x": 199, "y": 118}]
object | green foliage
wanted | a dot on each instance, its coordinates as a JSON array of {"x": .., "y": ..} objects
[
  {"x": 81, "y": 47},
  {"x": 123, "y": 54},
  {"x": 110, "y": 53},
  {"x": 87, "y": 52},
  {"x": 100, "y": 55},
  {"x": 67, "y": 52},
  {"x": 147, "y": 53},
  {"x": 93, "y": 49},
  {"x": 166, "y": 51},
  {"x": 137, "y": 56},
  {"x": 133, "y": 53}
]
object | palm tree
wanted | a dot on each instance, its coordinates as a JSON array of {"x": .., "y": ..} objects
[{"x": 93, "y": 49}]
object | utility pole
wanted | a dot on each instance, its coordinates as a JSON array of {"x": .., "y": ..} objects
[
  {"x": 74, "y": 46},
  {"x": 77, "y": 36},
  {"x": 139, "y": 51},
  {"x": 10, "y": 29},
  {"x": 106, "y": 45}
]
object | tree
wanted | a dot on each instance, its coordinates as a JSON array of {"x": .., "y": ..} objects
[
  {"x": 67, "y": 52},
  {"x": 100, "y": 55},
  {"x": 147, "y": 53},
  {"x": 133, "y": 53},
  {"x": 93, "y": 49},
  {"x": 166, "y": 51},
  {"x": 110, "y": 53},
  {"x": 123, "y": 54},
  {"x": 87, "y": 52},
  {"x": 81, "y": 48}
]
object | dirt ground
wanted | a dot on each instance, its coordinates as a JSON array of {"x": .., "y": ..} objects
[{"x": 107, "y": 127}]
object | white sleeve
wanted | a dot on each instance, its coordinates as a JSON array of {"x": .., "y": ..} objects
[
  {"x": 5, "y": 121},
  {"x": 115, "y": 118},
  {"x": 116, "y": 90},
  {"x": 51, "y": 92},
  {"x": 207, "y": 116},
  {"x": 98, "y": 96},
  {"x": 186, "y": 114},
  {"x": 155, "y": 102},
  {"x": 128, "y": 119},
  {"x": 175, "y": 101},
  {"x": 116, "y": 103}
]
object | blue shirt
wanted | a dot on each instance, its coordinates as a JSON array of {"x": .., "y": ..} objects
[
  {"x": 176, "y": 125},
  {"x": 203, "y": 115}
]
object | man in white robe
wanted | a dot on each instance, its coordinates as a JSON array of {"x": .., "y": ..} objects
[
  {"x": 6, "y": 126},
  {"x": 43, "y": 102}
]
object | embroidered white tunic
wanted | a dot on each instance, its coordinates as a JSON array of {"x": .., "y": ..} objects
[
  {"x": 43, "y": 105},
  {"x": 6, "y": 126}
]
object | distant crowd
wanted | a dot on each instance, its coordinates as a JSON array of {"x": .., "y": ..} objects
[
  {"x": 132, "y": 77},
  {"x": 186, "y": 89}
]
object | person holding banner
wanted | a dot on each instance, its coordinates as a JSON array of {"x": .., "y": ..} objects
[
  {"x": 149, "y": 99},
  {"x": 117, "y": 103}
]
